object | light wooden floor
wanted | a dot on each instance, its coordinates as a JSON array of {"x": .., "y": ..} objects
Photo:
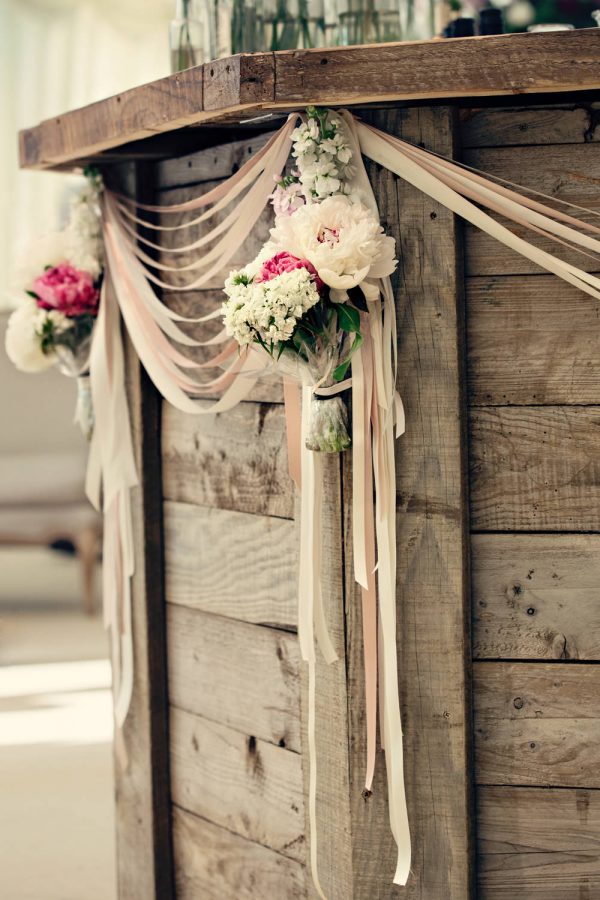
[{"x": 56, "y": 780}]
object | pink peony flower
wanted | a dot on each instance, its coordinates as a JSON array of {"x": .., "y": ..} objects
[
  {"x": 67, "y": 289},
  {"x": 285, "y": 262}
]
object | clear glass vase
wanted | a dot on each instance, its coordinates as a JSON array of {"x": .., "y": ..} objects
[
  {"x": 75, "y": 364},
  {"x": 189, "y": 34}
]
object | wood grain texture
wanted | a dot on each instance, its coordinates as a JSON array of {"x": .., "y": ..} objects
[
  {"x": 243, "y": 86},
  {"x": 239, "y": 675},
  {"x": 252, "y": 578},
  {"x": 213, "y": 864},
  {"x": 432, "y": 543},
  {"x": 518, "y": 126},
  {"x": 248, "y": 786},
  {"x": 420, "y": 69},
  {"x": 535, "y": 469},
  {"x": 531, "y": 340},
  {"x": 569, "y": 173},
  {"x": 249, "y": 78},
  {"x": 235, "y": 460},
  {"x": 537, "y": 724},
  {"x": 538, "y": 844},
  {"x": 536, "y": 596},
  {"x": 219, "y": 161},
  {"x": 142, "y": 815},
  {"x": 162, "y": 105}
]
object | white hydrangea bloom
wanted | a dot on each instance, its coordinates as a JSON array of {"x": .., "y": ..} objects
[
  {"x": 343, "y": 240},
  {"x": 23, "y": 343}
]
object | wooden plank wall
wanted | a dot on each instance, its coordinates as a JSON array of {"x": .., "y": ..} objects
[
  {"x": 236, "y": 686},
  {"x": 534, "y": 396},
  {"x": 230, "y": 564}
]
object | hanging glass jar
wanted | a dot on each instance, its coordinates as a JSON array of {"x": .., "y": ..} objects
[{"x": 189, "y": 35}]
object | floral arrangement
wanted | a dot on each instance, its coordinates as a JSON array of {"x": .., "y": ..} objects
[
  {"x": 58, "y": 297},
  {"x": 303, "y": 298}
]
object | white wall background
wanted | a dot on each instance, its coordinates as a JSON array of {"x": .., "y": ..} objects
[{"x": 56, "y": 55}]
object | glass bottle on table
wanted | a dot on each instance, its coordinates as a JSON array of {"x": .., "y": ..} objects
[
  {"x": 300, "y": 24},
  {"x": 189, "y": 34}
]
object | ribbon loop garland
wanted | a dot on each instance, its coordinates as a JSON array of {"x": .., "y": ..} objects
[{"x": 378, "y": 416}]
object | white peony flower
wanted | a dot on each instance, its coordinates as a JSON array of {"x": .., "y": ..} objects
[
  {"x": 343, "y": 241},
  {"x": 23, "y": 342}
]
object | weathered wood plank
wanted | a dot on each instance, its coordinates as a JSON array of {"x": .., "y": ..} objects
[
  {"x": 538, "y": 844},
  {"x": 518, "y": 125},
  {"x": 432, "y": 542},
  {"x": 142, "y": 814},
  {"x": 243, "y": 676},
  {"x": 213, "y": 864},
  {"x": 238, "y": 87},
  {"x": 569, "y": 173},
  {"x": 220, "y": 161},
  {"x": 420, "y": 69},
  {"x": 233, "y": 564},
  {"x": 535, "y": 469},
  {"x": 235, "y": 460},
  {"x": 531, "y": 340},
  {"x": 537, "y": 724},
  {"x": 248, "y": 786},
  {"x": 536, "y": 596},
  {"x": 249, "y": 79},
  {"x": 161, "y": 105}
]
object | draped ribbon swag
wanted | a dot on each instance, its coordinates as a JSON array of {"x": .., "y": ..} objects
[{"x": 378, "y": 417}]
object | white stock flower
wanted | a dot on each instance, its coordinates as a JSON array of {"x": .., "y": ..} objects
[
  {"x": 23, "y": 342},
  {"x": 323, "y": 162},
  {"x": 268, "y": 310},
  {"x": 343, "y": 241},
  {"x": 84, "y": 245}
]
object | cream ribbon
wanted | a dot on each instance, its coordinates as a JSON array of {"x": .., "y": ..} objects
[{"x": 378, "y": 412}]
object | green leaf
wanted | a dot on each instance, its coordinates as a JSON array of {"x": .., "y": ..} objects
[
  {"x": 340, "y": 372},
  {"x": 348, "y": 317},
  {"x": 31, "y": 294},
  {"x": 357, "y": 298}
]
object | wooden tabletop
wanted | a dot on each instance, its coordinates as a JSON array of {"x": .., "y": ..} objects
[{"x": 245, "y": 87}]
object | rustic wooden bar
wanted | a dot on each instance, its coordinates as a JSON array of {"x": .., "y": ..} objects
[{"x": 498, "y": 499}]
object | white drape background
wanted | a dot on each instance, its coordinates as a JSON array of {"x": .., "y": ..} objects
[{"x": 56, "y": 55}]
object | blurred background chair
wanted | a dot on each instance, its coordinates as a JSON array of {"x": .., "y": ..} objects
[{"x": 42, "y": 468}]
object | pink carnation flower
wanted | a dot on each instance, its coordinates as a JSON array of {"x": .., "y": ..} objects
[
  {"x": 67, "y": 289},
  {"x": 285, "y": 262}
]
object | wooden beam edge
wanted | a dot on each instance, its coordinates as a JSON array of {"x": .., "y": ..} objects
[{"x": 260, "y": 82}]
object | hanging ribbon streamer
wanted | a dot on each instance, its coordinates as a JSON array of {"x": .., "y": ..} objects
[{"x": 378, "y": 417}]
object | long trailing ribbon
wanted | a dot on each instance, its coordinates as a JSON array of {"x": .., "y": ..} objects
[{"x": 378, "y": 416}]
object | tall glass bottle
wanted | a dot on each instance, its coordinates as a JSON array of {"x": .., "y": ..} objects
[{"x": 189, "y": 35}]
